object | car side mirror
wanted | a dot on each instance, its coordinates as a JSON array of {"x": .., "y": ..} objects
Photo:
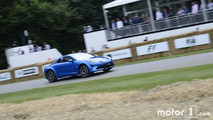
[{"x": 70, "y": 60}]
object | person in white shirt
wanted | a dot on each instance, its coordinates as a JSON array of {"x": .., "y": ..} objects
[
  {"x": 159, "y": 15},
  {"x": 194, "y": 8},
  {"x": 46, "y": 46},
  {"x": 210, "y": 4},
  {"x": 119, "y": 23},
  {"x": 89, "y": 28},
  {"x": 38, "y": 48},
  {"x": 180, "y": 11}
]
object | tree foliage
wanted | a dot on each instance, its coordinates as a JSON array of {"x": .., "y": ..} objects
[{"x": 58, "y": 22}]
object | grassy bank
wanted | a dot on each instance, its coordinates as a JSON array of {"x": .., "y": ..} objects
[{"x": 124, "y": 83}]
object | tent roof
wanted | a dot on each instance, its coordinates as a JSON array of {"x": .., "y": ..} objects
[{"x": 118, "y": 3}]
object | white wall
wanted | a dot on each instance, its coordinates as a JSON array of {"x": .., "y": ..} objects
[
  {"x": 31, "y": 58},
  {"x": 97, "y": 39}
]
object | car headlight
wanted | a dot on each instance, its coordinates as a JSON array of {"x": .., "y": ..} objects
[{"x": 93, "y": 61}]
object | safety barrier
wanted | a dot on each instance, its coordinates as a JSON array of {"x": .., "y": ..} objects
[
  {"x": 183, "y": 43},
  {"x": 188, "y": 42},
  {"x": 23, "y": 73}
]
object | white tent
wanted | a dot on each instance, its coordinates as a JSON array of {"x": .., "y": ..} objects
[{"x": 118, "y": 3}]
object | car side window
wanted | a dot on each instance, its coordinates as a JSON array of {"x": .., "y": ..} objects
[
  {"x": 60, "y": 60},
  {"x": 64, "y": 59}
]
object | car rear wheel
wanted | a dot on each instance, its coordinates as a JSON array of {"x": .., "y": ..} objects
[
  {"x": 84, "y": 71},
  {"x": 51, "y": 76}
]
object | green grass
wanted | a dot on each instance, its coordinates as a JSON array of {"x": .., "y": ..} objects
[
  {"x": 167, "y": 57},
  {"x": 139, "y": 82}
]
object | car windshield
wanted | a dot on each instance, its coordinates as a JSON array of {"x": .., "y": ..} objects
[{"x": 81, "y": 56}]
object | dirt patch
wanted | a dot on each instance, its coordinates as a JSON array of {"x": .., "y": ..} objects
[{"x": 133, "y": 105}]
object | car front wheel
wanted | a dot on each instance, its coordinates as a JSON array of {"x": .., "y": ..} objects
[
  {"x": 84, "y": 71},
  {"x": 51, "y": 76}
]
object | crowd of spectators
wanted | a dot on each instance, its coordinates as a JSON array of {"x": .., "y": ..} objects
[
  {"x": 38, "y": 48},
  {"x": 119, "y": 24},
  {"x": 161, "y": 13},
  {"x": 35, "y": 48}
]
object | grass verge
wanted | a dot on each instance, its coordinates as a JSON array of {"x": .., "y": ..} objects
[{"x": 140, "y": 82}]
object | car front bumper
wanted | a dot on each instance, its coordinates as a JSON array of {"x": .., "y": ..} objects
[{"x": 100, "y": 67}]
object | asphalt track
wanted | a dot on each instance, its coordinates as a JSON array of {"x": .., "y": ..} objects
[{"x": 166, "y": 64}]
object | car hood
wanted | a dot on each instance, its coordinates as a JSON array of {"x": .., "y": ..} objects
[{"x": 100, "y": 59}]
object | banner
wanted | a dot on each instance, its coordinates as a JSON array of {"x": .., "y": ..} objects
[
  {"x": 152, "y": 48},
  {"x": 192, "y": 41},
  {"x": 5, "y": 76},
  {"x": 26, "y": 72},
  {"x": 119, "y": 54}
]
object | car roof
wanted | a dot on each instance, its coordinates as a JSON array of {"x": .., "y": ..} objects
[{"x": 76, "y": 54}]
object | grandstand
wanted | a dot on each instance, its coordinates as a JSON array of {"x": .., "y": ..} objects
[{"x": 149, "y": 30}]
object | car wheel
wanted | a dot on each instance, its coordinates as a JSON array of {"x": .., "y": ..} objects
[
  {"x": 84, "y": 71},
  {"x": 51, "y": 76},
  {"x": 106, "y": 70}
]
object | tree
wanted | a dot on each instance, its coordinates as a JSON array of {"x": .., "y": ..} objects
[{"x": 58, "y": 22}]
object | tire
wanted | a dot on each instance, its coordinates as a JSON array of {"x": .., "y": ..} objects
[
  {"x": 51, "y": 76},
  {"x": 84, "y": 71}
]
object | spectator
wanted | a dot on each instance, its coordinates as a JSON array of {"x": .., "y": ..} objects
[
  {"x": 194, "y": 8},
  {"x": 30, "y": 41},
  {"x": 147, "y": 19},
  {"x": 31, "y": 50},
  {"x": 101, "y": 27},
  {"x": 210, "y": 4},
  {"x": 171, "y": 12},
  {"x": 20, "y": 52},
  {"x": 185, "y": 10},
  {"x": 126, "y": 21},
  {"x": 130, "y": 21},
  {"x": 114, "y": 27},
  {"x": 143, "y": 17},
  {"x": 84, "y": 51},
  {"x": 136, "y": 20},
  {"x": 165, "y": 13},
  {"x": 15, "y": 44},
  {"x": 92, "y": 50},
  {"x": 105, "y": 47},
  {"x": 38, "y": 48},
  {"x": 79, "y": 51},
  {"x": 46, "y": 46},
  {"x": 89, "y": 28},
  {"x": 73, "y": 52},
  {"x": 159, "y": 15},
  {"x": 85, "y": 29},
  {"x": 119, "y": 24},
  {"x": 8, "y": 66},
  {"x": 180, "y": 11}
]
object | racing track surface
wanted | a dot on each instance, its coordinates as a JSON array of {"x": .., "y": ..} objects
[{"x": 180, "y": 62}]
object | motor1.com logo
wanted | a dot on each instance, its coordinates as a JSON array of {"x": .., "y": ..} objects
[{"x": 187, "y": 112}]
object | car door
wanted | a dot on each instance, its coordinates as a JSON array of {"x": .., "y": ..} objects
[{"x": 66, "y": 66}]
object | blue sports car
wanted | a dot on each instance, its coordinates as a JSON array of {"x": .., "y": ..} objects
[{"x": 82, "y": 64}]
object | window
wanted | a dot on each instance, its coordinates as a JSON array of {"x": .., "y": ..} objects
[{"x": 64, "y": 59}]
